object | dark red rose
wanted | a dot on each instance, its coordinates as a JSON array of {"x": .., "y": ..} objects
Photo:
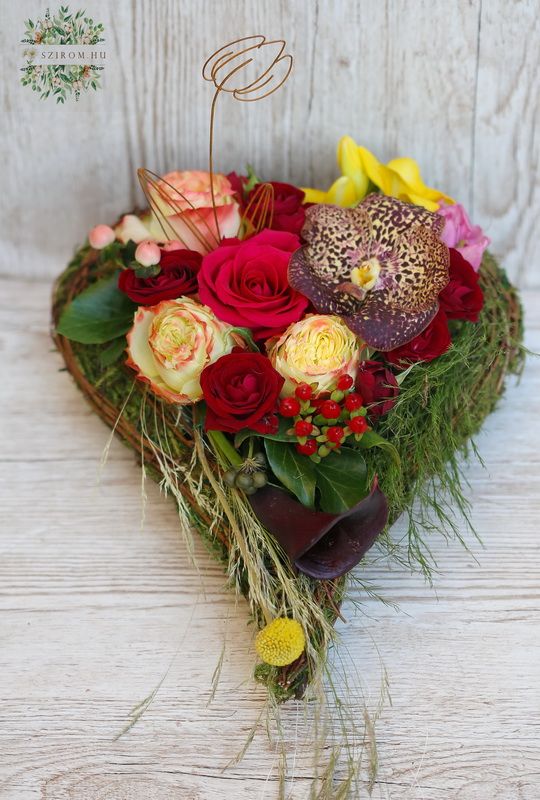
[
  {"x": 287, "y": 214},
  {"x": 177, "y": 277},
  {"x": 462, "y": 298},
  {"x": 237, "y": 182},
  {"x": 431, "y": 343},
  {"x": 378, "y": 386},
  {"x": 246, "y": 284},
  {"x": 241, "y": 391}
]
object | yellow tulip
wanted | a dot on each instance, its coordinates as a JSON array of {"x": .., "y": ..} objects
[{"x": 399, "y": 178}]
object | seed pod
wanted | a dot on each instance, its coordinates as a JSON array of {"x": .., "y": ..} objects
[
  {"x": 230, "y": 477},
  {"x": 260, "y": 479},
  {"x": 244, "y": 481}
]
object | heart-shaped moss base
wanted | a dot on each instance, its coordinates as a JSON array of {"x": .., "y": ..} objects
[{"x": 441, "y": 405}]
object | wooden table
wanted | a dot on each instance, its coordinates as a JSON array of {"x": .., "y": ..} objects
[{"x": 97, "y": 611}]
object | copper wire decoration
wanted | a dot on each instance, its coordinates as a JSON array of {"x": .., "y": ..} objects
[
  {"x": 154, "y": 188},
  {"x": 250, "y": 69}
]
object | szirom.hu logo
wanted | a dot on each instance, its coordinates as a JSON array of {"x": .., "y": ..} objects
[{"x": 64, "y": 55}]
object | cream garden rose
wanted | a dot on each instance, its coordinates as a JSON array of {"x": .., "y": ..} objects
[
  {"x": 318, "y": 349},
  {"x": 171, "y": 343}
]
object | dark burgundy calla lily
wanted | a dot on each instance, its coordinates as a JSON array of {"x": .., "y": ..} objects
[{"x": 322, "y": 545}]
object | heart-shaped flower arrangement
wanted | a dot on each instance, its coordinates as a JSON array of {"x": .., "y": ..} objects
[{"x": 296, "y": 368}]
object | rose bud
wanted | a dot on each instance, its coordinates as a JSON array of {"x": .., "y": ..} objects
[
  {"x": 101, "y": 236},
  {"x": 148, "y": 254}
]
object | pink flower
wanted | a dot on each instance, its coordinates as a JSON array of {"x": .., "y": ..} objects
[
  {"x": 101, "y": 236},
  {"x": 460, "y": 234},
  {"x": 185, "y": 199}
]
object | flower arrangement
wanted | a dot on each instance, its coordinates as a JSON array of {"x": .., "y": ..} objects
[{"x": 296, "y": 367}]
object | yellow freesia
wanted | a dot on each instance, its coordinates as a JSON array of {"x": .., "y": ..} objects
[{"x": 399, "y": 178}]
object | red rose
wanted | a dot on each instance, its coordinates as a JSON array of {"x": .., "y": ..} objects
[
  {"x": 378, "y": 386},
  {"x": 245, "y": 283},
  {"x": 288, "y": 213},
  {"x": 462, "y": 298},
  {"x": 177, "y": 277},
  {"x": 431, "y": 343},
  {"x": 241, "y": 391}
]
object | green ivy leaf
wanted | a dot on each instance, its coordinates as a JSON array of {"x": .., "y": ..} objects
[
  {"x": 296, "y": 472},
  {"x": 113, "y": 352},
  {"x": 341, "y": 480},
  {"x": 100, "y": 313}
]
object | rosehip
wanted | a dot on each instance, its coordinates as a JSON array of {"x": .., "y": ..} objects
[
  {"x": 335, "y": 434},
  {"x": 303, "y": 428},
  {"x": 289, "y": 407},
  {"x": 358, "y": 424},
  {"x": 345, "y": 382},
  {"x": 330, "y": 409},
  {"x": 101, "y": 236},
  {"x": 148, "y": 254},
  {"x": 304, "y": 391},
  {"x": 307, "y": 449},
  {"x": 353, "y": 401}
]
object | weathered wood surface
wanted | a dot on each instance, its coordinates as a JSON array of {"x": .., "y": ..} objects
[
  {"x": 96, "y": 610},
  {"x": 455, "y": 85}
]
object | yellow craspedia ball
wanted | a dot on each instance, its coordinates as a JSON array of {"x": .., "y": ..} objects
[{"x": 281, "y": 642}]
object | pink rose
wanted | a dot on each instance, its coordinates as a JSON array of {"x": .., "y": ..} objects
[
  {"x": 459, "y": 233},
  {"x": 186, "y": 202},
  {"x": 246, "y": 283}
]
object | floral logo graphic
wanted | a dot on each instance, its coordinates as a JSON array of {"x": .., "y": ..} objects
[{"x": 48, "y": 40}]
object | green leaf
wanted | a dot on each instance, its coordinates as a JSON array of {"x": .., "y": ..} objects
[
  {"x": 341, "y": 480},
  {"x": 281, "y": 434},
  {"x": 252, "y": 179},
  {"x": 371, "y": 439},
  {"x": 100, "y": 313},
  {"x": 246, "y": 334},
  {"x": 113, "y": 352},
  {"x": 146, "y": 272},
  {"x": 296, "y": 472}
]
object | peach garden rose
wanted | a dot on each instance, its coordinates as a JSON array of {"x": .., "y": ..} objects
[
  {"x": 318, "y": 349},
  {"x": 187, "y": 204},
  {"x": 171, "y": 343}
]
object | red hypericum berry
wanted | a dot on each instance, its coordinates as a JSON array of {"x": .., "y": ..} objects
[
  {"x": 358, "y": 424},
  {"x": 307, "y": 449},
  {"x": 304, "y": 391},
  {"x": 330, "y": 409},
  {"x": 302, "y": 427},
  {"x": 353, "y": 401},
  {"x": 335, "y": 434},
  {"x": 289, "y": 407},
  {"x": 345, "y": 382}
]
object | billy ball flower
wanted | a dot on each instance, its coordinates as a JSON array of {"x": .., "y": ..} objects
[
  {"x": 171, "y": 343},
  {"x": 280, "y": 642},
  {"x": 318, "y": 349}
]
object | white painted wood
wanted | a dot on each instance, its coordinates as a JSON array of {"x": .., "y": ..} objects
[
  {"x": 454, "y": 85},
  {"x": 95, "y": 611}
]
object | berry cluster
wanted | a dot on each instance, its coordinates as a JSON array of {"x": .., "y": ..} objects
[{"x": 322, "y": 423}]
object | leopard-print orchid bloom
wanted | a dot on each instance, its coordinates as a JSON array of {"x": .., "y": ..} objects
[{"x": 379, "y": 266}]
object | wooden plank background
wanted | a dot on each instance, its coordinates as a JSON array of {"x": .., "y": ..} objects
[
  {"x": 96, "y": 610},
  {"x": 453, "y": 83}
]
